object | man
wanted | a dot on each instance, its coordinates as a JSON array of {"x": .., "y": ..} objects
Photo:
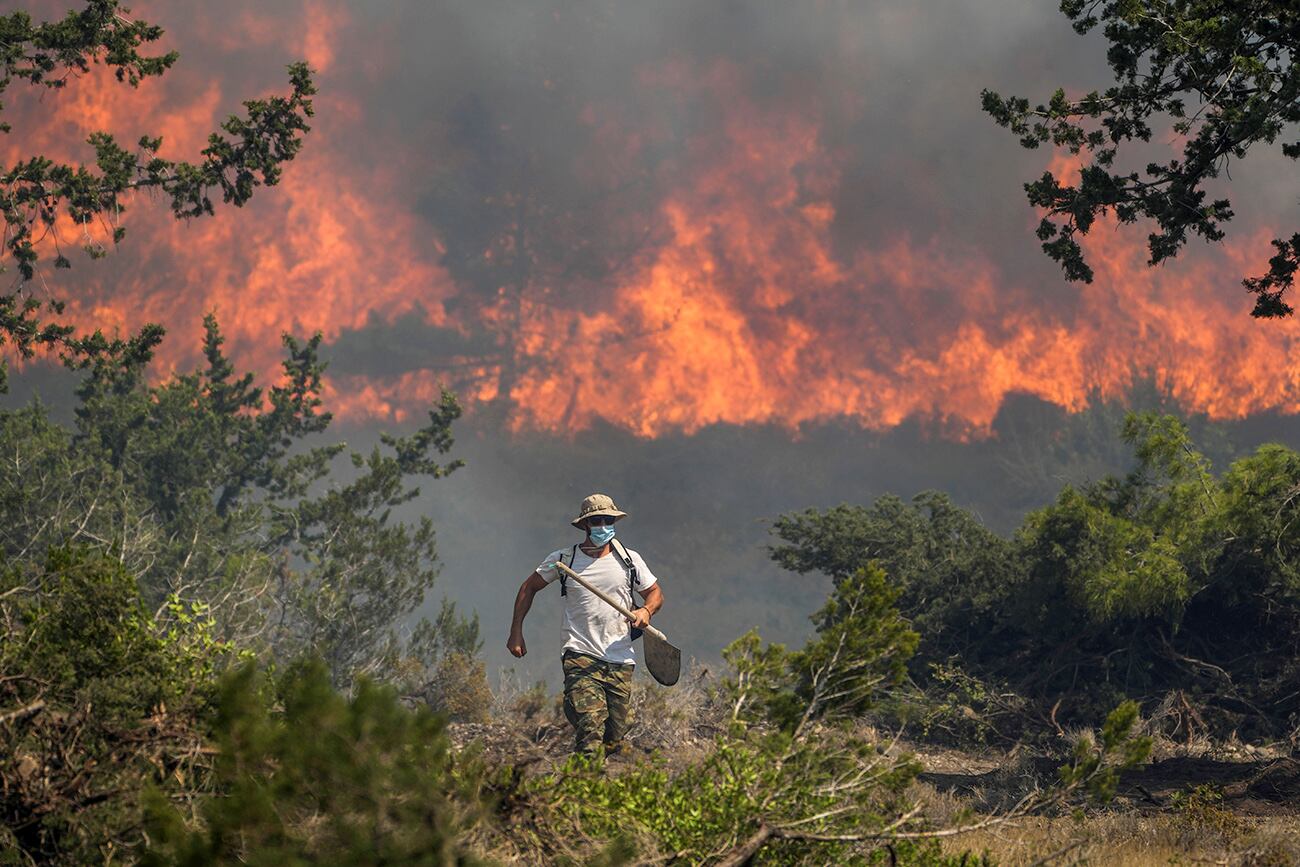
[{"x": 598, "y": 652}]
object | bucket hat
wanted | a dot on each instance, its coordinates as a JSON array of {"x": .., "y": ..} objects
[{"x": 598, "y": 504}]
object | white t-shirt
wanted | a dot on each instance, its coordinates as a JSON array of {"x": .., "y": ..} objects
[{"x": 591, "y": 625}]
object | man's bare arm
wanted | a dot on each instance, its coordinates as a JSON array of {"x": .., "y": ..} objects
[
  {"x": 523, "y": 601},
  {"x": 654, "y": 600}
]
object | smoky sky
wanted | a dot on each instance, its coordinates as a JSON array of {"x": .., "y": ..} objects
[
  {"x": 469, "y": 151},
  {"x": 493, "y": 149},
  {"x": 577, "y": 119}
]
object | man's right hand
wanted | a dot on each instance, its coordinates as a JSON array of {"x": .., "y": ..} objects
[{"x": 515, "y": 644}]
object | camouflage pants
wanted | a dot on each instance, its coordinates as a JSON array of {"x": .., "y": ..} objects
[{"x": 596, "y": 698}]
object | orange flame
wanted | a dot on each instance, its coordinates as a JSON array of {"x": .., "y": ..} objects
[
  {"x": 745, "y": 316},
  {"x": 321, "y": 252},
  {"x": 743, "y": 311}
]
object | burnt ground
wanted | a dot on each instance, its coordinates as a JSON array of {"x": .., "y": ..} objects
[{"x": 1249, "y": 788}]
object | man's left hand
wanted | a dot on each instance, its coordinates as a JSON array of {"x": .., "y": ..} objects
[{"x": 640, "y": 618}]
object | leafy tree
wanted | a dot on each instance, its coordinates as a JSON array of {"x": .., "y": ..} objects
[
  {"x": 954, "y": 575},
  {"x": 248, "y": 151},
  {"x": 363, "y": 570},
  {"x": 1172, "y": 583},
  {"x": 1221, "y": 74},
  {"x": 862, "y": 646},
  {"x": 1110, "y": 567},
  {"x": 1257, "y": 521},
  {"x": 84, "y": 628}
]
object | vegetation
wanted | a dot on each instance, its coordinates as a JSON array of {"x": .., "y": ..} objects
[
  {"x": 374, "y": 783},
  {"x": 128, "y": 741},
  {"x": 188, "y": 589},
  {"x": 208, "y": 656},
  {"x": 1171, "y": 586},
  {"x": 1221, "y": 75},
  {"x": 179, "y": 544},
  {"x": 99, "y": 699},
  {"x": 207, "y": 489},
  {"x": 171, "y": 531}
]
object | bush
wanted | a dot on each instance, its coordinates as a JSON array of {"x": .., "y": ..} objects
[
  {"x": 460, "y": 689},
  {"x": 953, "y": 575},
  {"x": 100, "y": 699},
  {"x": 306, "y": 775}
]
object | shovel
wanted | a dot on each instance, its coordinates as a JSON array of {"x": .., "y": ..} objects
[{"x": 662, "y": 659}]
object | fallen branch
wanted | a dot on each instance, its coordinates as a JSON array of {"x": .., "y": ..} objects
[
  {"x": 23, "y": 713},
  {"x": 749, "y": 848}
]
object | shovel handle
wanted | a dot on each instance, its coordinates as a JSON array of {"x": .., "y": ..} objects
[{"x": 614, "y": 603}]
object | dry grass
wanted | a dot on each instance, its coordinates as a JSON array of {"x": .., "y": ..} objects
[
  {"x": 1214, "y": 814},
  {"x": 1196, "y": 805},
  {"x": 1135, "y": 840},
  {"x": 527, "y": 727}
]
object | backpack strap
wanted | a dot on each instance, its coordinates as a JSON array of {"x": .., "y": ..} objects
[
  {"x": 626, "y": 559},
  {"x": 564, "y": 582},
  {"x": 632, "y": 577}
]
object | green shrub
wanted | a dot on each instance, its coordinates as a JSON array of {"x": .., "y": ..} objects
[
  {"x": 1168, "y": 579},
  {"x": 793, "y": 778},
  {"x": 105, "y": 700},
  {"x": 306, "y": 775}
]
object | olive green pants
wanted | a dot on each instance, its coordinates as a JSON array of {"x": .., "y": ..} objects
[{"x": 597, "y": 695}]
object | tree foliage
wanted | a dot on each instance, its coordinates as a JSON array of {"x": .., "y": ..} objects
[
  {"x": 140, "y": 749},
  {"x": 172, "y": 529},
  {"x": 1170, "y": 581},
  {"x": 953, "y": 575},
  {"x": 100, "y": 699},
  {"x": 374, "y": 783},
  {"x": 209, "y": 489},
  {"x": 1222, "y": 76},
  {"x": 861, "y": 647}
]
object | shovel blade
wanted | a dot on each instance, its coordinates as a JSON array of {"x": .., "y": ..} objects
[{"x": 662, "y": 659}]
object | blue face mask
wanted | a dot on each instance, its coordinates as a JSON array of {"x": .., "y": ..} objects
[{"x": 601, "y": 535}]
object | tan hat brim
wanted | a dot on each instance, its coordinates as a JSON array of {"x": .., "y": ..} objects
[{"x": 613, "y": 513}]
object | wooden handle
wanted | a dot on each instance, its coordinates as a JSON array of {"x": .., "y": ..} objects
[{"x": 614, "y": 603}]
